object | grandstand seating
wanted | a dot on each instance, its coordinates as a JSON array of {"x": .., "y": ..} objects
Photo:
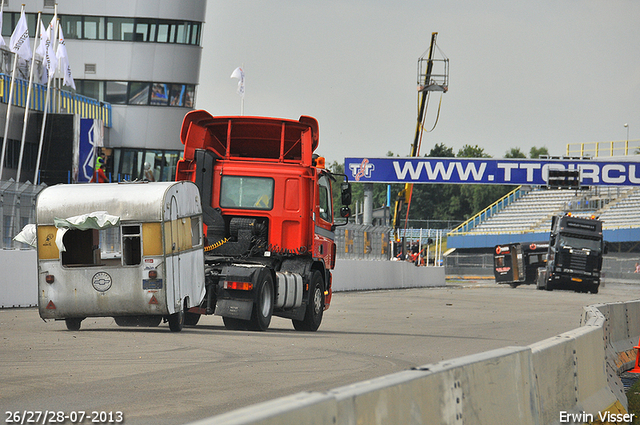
[
  {"x": 532, "y": 212},
  {"x": 623, "y": 212},
  {"x": 527, "y": 213}
]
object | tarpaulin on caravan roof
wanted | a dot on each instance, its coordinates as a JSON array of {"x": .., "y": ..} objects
[{"x": 93, "y": 220}]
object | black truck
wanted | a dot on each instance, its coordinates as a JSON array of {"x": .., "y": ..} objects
[
  {"x": 518, "y": 263},
  {"x": 574, "y": 259}
]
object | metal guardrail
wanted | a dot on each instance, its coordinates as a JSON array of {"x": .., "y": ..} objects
[
  {"x": 17, "y": 209},
  {"x": 362, "y": 242},
  {"x": 606, "y": 149}
]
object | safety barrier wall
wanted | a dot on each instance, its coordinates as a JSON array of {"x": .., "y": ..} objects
[
  {"x": 574, "y": 373},
  {"x": 359, "y": 275},
  {"x": 19, "y": 279}
]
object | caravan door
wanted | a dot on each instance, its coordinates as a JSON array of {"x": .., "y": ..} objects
[{"x": 173, "y": 261}]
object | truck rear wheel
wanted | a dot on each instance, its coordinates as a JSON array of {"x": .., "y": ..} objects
[
  {"x": 150, "y": 321},
  {"x": 233, "y": 324},
  {"x": 315, "y": 307},
  {"x": 263, "y": 307},
  {"x": 191, "y": 319}
]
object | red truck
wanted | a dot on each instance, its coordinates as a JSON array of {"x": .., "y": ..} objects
[{"x": 268, "y": 218}]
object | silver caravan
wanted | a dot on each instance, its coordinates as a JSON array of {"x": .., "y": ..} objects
[{"x": 132, "y": 251}]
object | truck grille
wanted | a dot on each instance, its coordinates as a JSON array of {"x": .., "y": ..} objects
[{"x": 578, "y": 262}]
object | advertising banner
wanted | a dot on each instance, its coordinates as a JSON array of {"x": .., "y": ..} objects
[
  {"x": 89, "y": 141},
  {"x": 489, "y": 171}
]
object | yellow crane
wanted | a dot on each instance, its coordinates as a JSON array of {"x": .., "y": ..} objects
[{"x": 428, "y": 81}]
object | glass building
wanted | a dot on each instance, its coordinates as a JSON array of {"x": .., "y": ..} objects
[{"x": 140, "y": 56}]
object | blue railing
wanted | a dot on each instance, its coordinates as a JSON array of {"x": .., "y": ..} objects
[
  {"x": 60, "y": 101},
  {"x": 488, "y": 212}
]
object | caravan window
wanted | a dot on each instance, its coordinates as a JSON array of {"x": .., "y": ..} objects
[
  {"x": 112, "y": 246},
  {"x": 131, "y": 245},
  {"x": 196, "y": 231}
]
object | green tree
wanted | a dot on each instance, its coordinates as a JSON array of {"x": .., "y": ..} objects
[
  {"x": 440, "y": 151},
  {"x": 514, "y": 153},
  {"x": 468, "y": 151},
  {"x": 537, "y": 152}
]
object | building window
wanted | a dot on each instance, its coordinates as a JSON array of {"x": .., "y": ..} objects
[
  {"x": 139, "y": 93},
  {"x": 164, "y": 33},
  {"x": 94, "y": 28},
  {"x": 120, "y": 29},
  {"x": 116, "y": 92},
  {"x": 145, "y": 30},
  {"x": 92, "y": 89},
  {"x": 160, "y": 94},
  {"x": 113, "y": 28},
  {"x": 71, "y": 26},
  {"x": 178, "y": 93},
  {"x": 145, "y": 164}
]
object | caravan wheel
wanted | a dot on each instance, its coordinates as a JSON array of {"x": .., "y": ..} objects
[
  {"x": 176, "y": 320},
  {"x": 73, "y": 323}
]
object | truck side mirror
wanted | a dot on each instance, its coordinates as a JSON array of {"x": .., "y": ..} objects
[
  {"x": 345, "y": 212},
  {"x": 345, "y": 188}
]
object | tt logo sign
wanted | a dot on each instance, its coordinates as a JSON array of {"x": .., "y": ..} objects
[{"x": 363, "y": 169}]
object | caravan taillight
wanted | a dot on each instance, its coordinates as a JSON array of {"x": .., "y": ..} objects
[{"x": 49, "y": 278}]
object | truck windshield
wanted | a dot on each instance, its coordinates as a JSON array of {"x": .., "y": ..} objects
[
  {"x": 570, "y": 241},
  {"x": 246, "y": 192}
]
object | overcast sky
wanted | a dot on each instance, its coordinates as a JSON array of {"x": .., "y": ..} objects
[{"x": 522, "y": 74}]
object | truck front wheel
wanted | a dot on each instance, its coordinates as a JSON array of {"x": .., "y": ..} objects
[{"x": 315, "y": 307}]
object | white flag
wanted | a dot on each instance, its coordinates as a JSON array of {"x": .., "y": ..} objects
[
  {"x": 63, "y": 60},
  {"x": 46, "y": 53},
  {"x": 19, "y": 43},
  {"x": 239, "y": 74}
]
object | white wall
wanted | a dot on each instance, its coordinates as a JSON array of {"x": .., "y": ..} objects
[
  {"x": 358, "y": 275},
  {"x": 19, "y": 278}
]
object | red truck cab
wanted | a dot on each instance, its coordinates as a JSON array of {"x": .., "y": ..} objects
[{"x": 266, "y": 200}]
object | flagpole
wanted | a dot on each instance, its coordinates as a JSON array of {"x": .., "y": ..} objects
[
  {"x": 26, "y": 108},
  {"x": 6, "y": 121},
  {"x": 53, "y": 37}
]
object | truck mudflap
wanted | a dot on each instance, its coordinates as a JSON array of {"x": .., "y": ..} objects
[{"x": 237, "y": 309}]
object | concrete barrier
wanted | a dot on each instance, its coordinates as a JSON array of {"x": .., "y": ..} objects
[
  {"x": 19, "y": 284},
  {"x": 19, "y": 278},
  {"x": 569, "y": 378},
  {"x": 358, "y": 275},
  {"x": 457, "y": 391}
]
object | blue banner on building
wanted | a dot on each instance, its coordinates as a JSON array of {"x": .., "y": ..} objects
[
  {"x": 488, "y": 171},
  {"x": 89, "y": 141}
]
